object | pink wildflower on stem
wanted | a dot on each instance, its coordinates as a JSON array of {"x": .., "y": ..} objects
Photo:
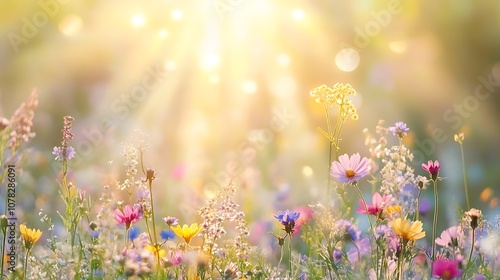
[
  {"x": 432, "y": 168},
  {"x": 128, "y": 216},
  {"x": 350, "y": 169},
  {"x": 379, "y": 202}
]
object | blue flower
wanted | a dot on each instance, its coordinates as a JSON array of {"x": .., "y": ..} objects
[
  {"x": 399, "y": 129},
  {"x": 288, "y": 218},
  {"x": 167, "y": 234},
  {"x": 94, "y": 233},
  {"x": 134, "y": 232},
  {"x": 347, "y": 230}
]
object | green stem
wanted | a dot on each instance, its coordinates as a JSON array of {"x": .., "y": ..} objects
[
  {"x": 26, "y": 264},
  {"x": 471, "y": 246},
  {"x": 400, "y": 260},
  {"x": 465, "y": 177},
  {"x": 434, "y": 223},
  {"x": 290, "y": 254},
  {"x": 417, "y": 212},
  {"x": 364, "y": 203}
]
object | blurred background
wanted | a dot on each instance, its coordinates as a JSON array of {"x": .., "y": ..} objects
[{"x": 221, "y": 88}]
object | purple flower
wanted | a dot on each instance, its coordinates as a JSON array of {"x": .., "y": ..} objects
[
  {"x": 171, "y": 221},
  {"x": 288, "y": 218},
  {"x": 94, "y": 233},
  {"x": 337, "y": 255},
  {"x": 59, "y": 153},
  {"x": 384, "y": 231},
  {"x": 362, "y": 248},
  {"x": 446, "y": 269},
  {"x": 350, "y": 169},
  {"x": 432, "y": 168},
  {"x": 399, "y": 129},
  {"x": 347, "y": 230}
]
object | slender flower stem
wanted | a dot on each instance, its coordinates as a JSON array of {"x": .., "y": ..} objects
[
  {"x": 417, "y": 211},
  {"x": 281, "y": 256},
  {"x": 290, "y": 254},
  {"x": 400, "y": 260},
  {"x": 465, "y": 177},
  {"x": 471, "y": 246},
  {"x": 25, "y": 264},
  {"x": 364, "y": 203},
  {"x": 434, "y": 223}
]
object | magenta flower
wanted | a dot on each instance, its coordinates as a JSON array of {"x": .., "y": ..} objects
[
  {"x": 129, "y": 215},
  {"x": 446, "y": 269},
  {"x": 350, "y": 169},
  {"x": 378, "y": 203},
  {"x": 432, "y": 168}
]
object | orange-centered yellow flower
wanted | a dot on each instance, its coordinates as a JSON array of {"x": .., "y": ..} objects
[
  {"x": 407, "y": 230},
  {"x": 30, "y": 236},
  {"x": 187, "y": 232}
]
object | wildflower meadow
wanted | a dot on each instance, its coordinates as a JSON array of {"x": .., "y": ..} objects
[
  {"x": 233, "y": 139},
  {"x": 120, "y": 234}
]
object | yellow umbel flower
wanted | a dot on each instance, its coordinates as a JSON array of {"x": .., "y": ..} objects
[
  {"x": 187, "y": 232},
  {"x": 30, "y": 236},
  {"x": 156, "y": 250},
  {"x": 407, "y": 230}
]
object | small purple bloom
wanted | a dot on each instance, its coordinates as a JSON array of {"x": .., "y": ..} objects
[
  {"x": 347, "y": 230},
  {"x": 167, "y": 234},
  {"x": 337, "y": 255},
  {"x": 94, "y": 233},
  {"x": 171, "y": 221},
  {"x": 288, "y": 218},
  {"x": 59, "y": 153},
  {"x": 399, "y": 129},
  {"x": 362, "y": 248}
]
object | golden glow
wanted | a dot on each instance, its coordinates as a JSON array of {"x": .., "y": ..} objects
[
  {"x": 398, "y": 46},
  {"x": 298, "y": 14},
  {"x": 210, "y": 61},
  {"x": 486, "y": 194},
  {"x": 71, "y": 25},
  {"x": 249, "y": 87},
  {"x": 177, "y": 14},
  {"x": 163, "y": 33},
  {"x": 138, "y": 20},
  {"x": 307, "y": 171}
]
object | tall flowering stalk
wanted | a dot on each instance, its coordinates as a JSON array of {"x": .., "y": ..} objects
[
  {"x": 68, "y": 192},
  {"x": 433, "y": 169},
  {"x": 338, "y": 95},
  {"x": 459, "y": 138}
]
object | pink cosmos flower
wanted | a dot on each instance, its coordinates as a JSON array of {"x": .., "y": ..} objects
[
  {"x": 350, "y": 169},
  {"x": 130, "y": 215},
  {"x": 451, "y": 237},
  {"x": 176, "y": 258},
  {"x": 378, "y": 202},
  {"x": 432, "y": 168},
  {"x": 446, "y": 269}
]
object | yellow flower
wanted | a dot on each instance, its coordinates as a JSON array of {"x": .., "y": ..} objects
[
  {"x": 187, "y": 232},
  {"x": 156, "y": 250},
  {"x": 407, "y": 230},
  {"x": 30, "y": 236}
]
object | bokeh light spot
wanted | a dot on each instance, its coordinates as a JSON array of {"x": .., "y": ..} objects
[
  {"x": 138, "y": 20},
  {"x": 398, "y": 46},
  {"x": 177, "y": 14},
  {"x": 283, "y": 59},
  {"x": 210, "y": 61},
  {"x": 214, "y": 79},
  {"x": 298, "y": 14},
  {"x": 249, "y": 87},
  {"x": 347, "y": 59},
  {"x": 486, "y": 194},
  {"x": 71, "y": 25},
  {"x": 163, "y": 33},
  {"x": 307, "y": 171}
]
